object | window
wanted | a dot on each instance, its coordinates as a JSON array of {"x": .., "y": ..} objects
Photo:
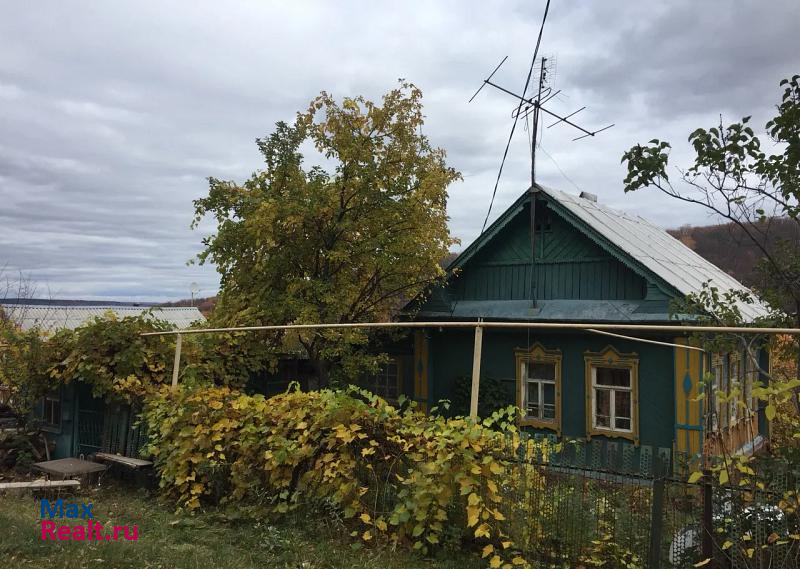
[
  {"x": 51, "y": 411},
  {"x": 539, "y": 387},
  {"x": 612, "y": 388},
  {"x": 386, "y": 381},
  {"x": 613, "y": 392}
]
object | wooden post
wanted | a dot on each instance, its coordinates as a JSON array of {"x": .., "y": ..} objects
[
  {"x": 177, "y": 364},
  {"x": 476, "y": 372}
]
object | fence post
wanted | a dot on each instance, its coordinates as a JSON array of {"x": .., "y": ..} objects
[
  {"x": 176, "y": 366},
  {"x": 707, "y": 524},
  {"x": 656, "y": 522},
  {"x": 476, "y": 373}
]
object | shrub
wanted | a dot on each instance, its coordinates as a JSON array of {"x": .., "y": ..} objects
[{"x": 396, "y": 475}]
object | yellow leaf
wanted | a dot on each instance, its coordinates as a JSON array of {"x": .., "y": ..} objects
[
  {"x": 695, "y": 477},
  {"x": 367, "y": 535},
  {"x": 727, "y": 544},
  {"x": 482, "y": 531},
  {"x": 518, "y": 561},
  {"x": 770, "y": 412},
  {"x": 495, "y": 468},
  {"x": 365, "y": 518},
  {"x": 487, "y": 550},
  {"x": 495, "y": 562},
  {"x": 506, "y": 544},
  {"x": 380, "y": 524},
  {"x": 472, "y": 515},
  {"x": 473, "y": 499},
  {"x": 703, "y": 562},
  {"x": 723, "y": 476}
]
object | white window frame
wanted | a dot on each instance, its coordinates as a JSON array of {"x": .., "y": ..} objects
[
  {"x": 613, "y": 400},
  {"x": 611, "y": 358},
  {"x": 382, "y": 379},
  {"x": 537, "y": 354},
  {"x": 540, "y": 383}
]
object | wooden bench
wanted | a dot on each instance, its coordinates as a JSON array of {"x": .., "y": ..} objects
[
  {"x": 39, "y": 485},
  {"x": 134, "y": 463}
]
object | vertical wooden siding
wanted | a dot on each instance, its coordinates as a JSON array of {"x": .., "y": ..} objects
[{"x": 568, "y": 266}]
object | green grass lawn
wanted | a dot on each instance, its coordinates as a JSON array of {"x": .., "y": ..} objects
[{"x": 167, "y": 540}]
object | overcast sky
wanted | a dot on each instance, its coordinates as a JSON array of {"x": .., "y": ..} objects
[{"x": 113, "y": 114}]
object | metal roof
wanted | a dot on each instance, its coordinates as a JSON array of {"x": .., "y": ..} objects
[
  {"x": 56, "y": 317},
  {"x": 636, "y": 242},
  {"x": 654, "y": 248}
]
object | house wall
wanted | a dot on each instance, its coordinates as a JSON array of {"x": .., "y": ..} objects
[
  {"x": 568, "y": 266},
  {"x": 450, "y": 358}
]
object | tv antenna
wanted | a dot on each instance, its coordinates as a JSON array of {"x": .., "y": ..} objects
[
  {"x": 532, "y": 106},
  {"x": 194, "y": 288}
]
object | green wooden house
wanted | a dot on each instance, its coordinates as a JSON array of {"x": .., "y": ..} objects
[{"x": 591, "y": 264}]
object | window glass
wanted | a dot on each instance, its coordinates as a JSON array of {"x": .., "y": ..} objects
[
  {"x": 52, "y": 411},
  {"x": 549, "y": 400},
  {"x": 533, "y": 399},
  {"x": 539, "y": 390},
  {"x": 602, "y": 408},
  {"x": 545, "y": 371},
  {"x": 384, "y": 382},
  {"x": 613, "y": 377}
]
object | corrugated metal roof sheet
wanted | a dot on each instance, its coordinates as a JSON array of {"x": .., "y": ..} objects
[
  {"x": 654, "y": 248},
  {"x": 56, "y": 317}
]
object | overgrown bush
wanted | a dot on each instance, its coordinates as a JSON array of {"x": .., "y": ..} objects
[
  {"x": 111, "y": 355},
  {"x": 399, "y": 476}
]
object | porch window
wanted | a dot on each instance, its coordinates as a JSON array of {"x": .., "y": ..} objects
[
  {"x": 51, "y": 411},
  {"x": 386, "y": 381},
  {"x": 539, "y": 387},
  {"x": 612, "y": 394}
]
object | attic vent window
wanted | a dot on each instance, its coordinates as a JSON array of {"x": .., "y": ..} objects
[
  {"x": 589, "y": 197},
  {"x": 542, "y": 223}
]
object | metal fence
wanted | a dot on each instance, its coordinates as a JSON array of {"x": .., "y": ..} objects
[{"x": 618, "y": 505}]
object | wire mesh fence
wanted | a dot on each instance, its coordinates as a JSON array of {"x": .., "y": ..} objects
[{"x": 617, "y": 505}]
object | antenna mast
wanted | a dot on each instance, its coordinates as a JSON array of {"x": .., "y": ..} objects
[{"x": 535, "y": 106}]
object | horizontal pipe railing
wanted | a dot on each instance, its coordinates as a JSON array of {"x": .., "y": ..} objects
[{"x": 683, "y": 329}]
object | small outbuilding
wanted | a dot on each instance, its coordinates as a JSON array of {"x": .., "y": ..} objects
[{"x": 76, "y": 421}]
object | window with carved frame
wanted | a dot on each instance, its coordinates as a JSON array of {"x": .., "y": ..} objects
[
  {"x": 612, "y": 394},
  {"x": 539, "y": 387}
]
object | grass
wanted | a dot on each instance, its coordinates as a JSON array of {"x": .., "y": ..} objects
[{"x": 168, "y": 541}]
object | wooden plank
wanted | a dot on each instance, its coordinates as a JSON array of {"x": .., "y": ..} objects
[
  {"x": 476, "y": 372},
  {"x": 123, "y": 460},
  {"x": 39, "y": 484}
]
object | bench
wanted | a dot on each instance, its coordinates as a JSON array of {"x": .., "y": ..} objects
[
  {"x": 39, "y": 485},
  {"x": 134, "y": 463}
]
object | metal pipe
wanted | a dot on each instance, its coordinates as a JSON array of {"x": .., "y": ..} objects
[{"x": 563, "y": 326}]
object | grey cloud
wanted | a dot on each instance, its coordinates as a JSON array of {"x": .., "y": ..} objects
[{"x": 112, "y": 115}]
